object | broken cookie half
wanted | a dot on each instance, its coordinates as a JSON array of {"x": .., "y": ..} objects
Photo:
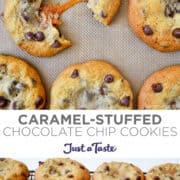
[{"x": 35, "y": 28}]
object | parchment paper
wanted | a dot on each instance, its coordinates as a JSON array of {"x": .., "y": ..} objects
[{"x": 116, "y": 44}]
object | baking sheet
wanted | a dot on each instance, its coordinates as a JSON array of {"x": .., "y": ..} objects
[{"x": 91, "y": 40}]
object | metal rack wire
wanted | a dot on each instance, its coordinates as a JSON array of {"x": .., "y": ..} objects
[{"x": 31, "y": 177}]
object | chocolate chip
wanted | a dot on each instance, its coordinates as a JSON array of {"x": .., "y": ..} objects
[
  {"x": 147, "y": 30},
  {"x": 3, "y": 68},
  {"x": 176, "y": 33},
  {"x": 18, "y": 105},
  {"x": 138, "y": 178},
  {"x": 34, "y": 82},
  {"x": 60, "y": 164},
  {"x": 109, "y": 78},
  {"x": 29, "y": 36},
  {"x": 169, "y": 11},
  {"x": 4, "y": 102},
  {"x": 15, "y": 88},
  {"x": 75, "y": 74},
  {"x": 173, "y": 105},
  {"x": 39, "y": 101},
  {"x": 102, "y": 14},
  {"x": 24, "y": 15},
  {"x": 156, "y": 178},
  {"x": 106, "y": 168},
  {"x": 70, "y": 176},
  {"x": 82, "y": 167},
  {"x": 39, "y": 36},
  {"x": 103, "y": 89},
  {"x": 40, "y": 163},
  {"x": 52, "y": 171},
  {"x": 67, "y": 171},
  {"x": 157, "y": 88},
  {"x": 56, "y": 44},
  {"x": 127, "y": 178},
  {"x": 2, "y": 159},
  {"x": 125, "y": 101}
]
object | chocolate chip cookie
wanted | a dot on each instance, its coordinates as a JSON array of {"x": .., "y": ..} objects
[
  {"x": 20, "y": 85},
  {"x": 104, "y": 10},
  {"x": 32, "y": 30},
  {"x": 118, "y": 171},
  {"x": 91, "y": 85},
  {"x": 12, "y": 169},
  {"x": 156, "y": 22},
  {"x": 61, "y": 169},
  {"x": 167, "y": 171},
  {"x": 161, "y": 90}
]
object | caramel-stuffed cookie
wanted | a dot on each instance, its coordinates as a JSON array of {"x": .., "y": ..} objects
[
  {"x": 104, "y": 10},
  {"x": 118, "y": 171},
  {"x": 32, "y": 30},
  {"x": 91, "y": 85},
  {"x": 20, "y": 85},
  {"x": 161, "y": 90},
  {"x": 61, "y": 169},
  {"x": 12, "y": 169},
  {"x": 156, "y": 22},
  {"x": 167, "y": 171}
]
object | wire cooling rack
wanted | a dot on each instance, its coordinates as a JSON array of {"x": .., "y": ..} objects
[{"x": 31, "y": 177}]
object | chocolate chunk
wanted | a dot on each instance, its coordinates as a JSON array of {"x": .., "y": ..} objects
[
  {"x": 176, "y": 33},
  {"x": 125, "y": 101},
  {"x": 3, "y": 68},
  {"x": 102, "y": 14},
  {"x": 56, "y": 44},
  {"x": 70, "y": 176},
  {"x": 147, "y": 30},
  {"x": 138, "y": 178},
  {"x": 4, "y": 102},
  {"x": 2, "y": 159},
  {"x": 75, "y": 74},
  {"x": 157, "y": 88},
  {"x": 39, "y": 36},
  {"x": 39, "y": 101},
  {"x": 29, "y": 36},
  {"x": 109, "y": 78},
  {"x": 156, "y": 178}
]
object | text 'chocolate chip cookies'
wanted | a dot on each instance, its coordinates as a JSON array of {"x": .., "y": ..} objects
[
  {"x": 118, "y": 171},
  {"x": 156, "y": 22},
  {"x": 61, "y": 169},
  {"x": 20, "y": 85},
  {"x": 34, "y": 27},
  {"x": 161, "y": 90},
  {"x": 12, "y": 169},
  {"x": 91, "y": 85}
]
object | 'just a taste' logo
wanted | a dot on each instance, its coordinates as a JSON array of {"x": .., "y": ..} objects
[{"x": 96, "y": 147}]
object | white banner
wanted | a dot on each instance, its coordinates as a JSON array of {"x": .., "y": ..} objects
[{"x": 95, "y": 134}]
